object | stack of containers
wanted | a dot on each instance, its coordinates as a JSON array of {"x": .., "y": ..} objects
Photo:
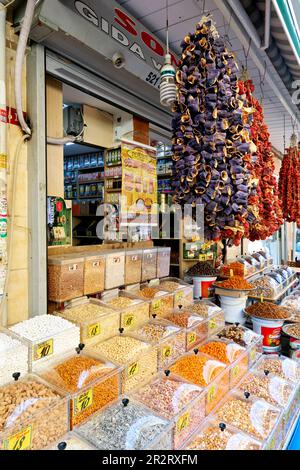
[
  {"x": 114, "y": 269},
  {"x": 183, "y": 292},
  {"x": 163, "y": 261},
  {"x": 133, "y": 266},
  {"x": 13, "y": 356},
  {"x": 65, "y": 277},
  {"x": 149, "y": 264}
]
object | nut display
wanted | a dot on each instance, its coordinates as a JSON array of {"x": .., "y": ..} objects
[
  {"x": 65, "y": 278},
  {"x": 233, "y": 269},
  {"x": 133, "y": 267},
  {"x": 280, "y": 366},
  {"x": 162, "y": 302},
  {"x": 94, "y": 274},
  {"x": 235, "y": 282},
  {"x": 130, "y": 427},
  {"x": 170, "y": 286},
  {"x": 268, "y": 310},
  {"x": 240, "y": 335},
  {"x": 149, "y": 264},
  {"x": 203, "y": 309},
  {"x": 222, "y": 351},
  {"x": 265, "y": 286},
  {"x": 183, "y": 294},
  {"x": 293, "y": 330},
  {"x": 196, "y": 328},
  {"x": 13, "y": 358},
  {"x": 163, "y": 262},
  {"x": 204, "y": 268},
  {"x": 133, "y": 312}
]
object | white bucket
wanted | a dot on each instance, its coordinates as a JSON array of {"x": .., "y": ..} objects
[
  {"x": 233, "y": 308},
  {"x": 203, "y": 286},
  {"x": 270, "y": 330}
]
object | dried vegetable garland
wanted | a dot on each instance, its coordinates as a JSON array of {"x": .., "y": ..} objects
[
  {"x": 289, "y": 184},
  {"x": 211, "y": 136}
]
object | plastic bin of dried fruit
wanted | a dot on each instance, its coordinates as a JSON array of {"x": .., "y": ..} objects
[
  {"x": 183, "y": 292},
  {"x": 161, "y": 302}
]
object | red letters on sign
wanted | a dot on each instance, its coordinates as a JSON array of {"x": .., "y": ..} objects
[
  {"x": 125, "y": 21},
  {"x": 152, "y": 43}
]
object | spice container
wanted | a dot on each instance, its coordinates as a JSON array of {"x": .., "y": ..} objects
[
  {"x": 265, "y": 286},
  {"x": 127, "y": 425},
  {"x": 229, "y": 353},
  {"x": 91, "y": 383},
  {"x": 114, "y": 269},
  {"x": 215, "y": 323},
  {"x": 233, "y": 269},
  {"x": 163, "y": 261},
  {"x": 183, "y": 292},
  {"x": 205, "y": 372},
  {"x": 196, "y": 327},
  {"x": 281, "y": 366},
  {"x": 149, "y": 264},
  {"x": 71, "y": 441},
  {"x": 133, "y": 312},
  {"x": 96, "y": 320},
  {"x": 133, "y": 266},
  {"x": 245, "y": 338},
  {"x": 138, "y": 358},
  {"x": 293, "y": 331},
  {"x": 13, "y": 356},
  {"x": 33, "y": 414},
  {"x": 168, "y": 338},
  {"x": 65, "y": 278},
  {"x": 94, "y": 273},
  {"x": 214, "y": 435},
  {"x": 162, "y": 303},
  {"x": 47, "y": 336},
  {"x": 180, "y": 402}
]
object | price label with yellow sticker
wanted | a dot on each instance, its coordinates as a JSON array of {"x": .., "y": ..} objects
[
  {"x": 129, "y": 320},
  {"x": 156, "y": 304},
  {"x": 212, "y": 324},
  {"x": 82, "y": 401},
  {"x": 94, "y": 330},
  {"x": 253, "y": 354},
  {"x": 183, "y": 422},
  {"x": 179, "y": 296},
  {"x": 211, "y": 394},
  {"x": 19, "y": 441},
  {"x": 42, "y": 350},
  {"x": 191, "y": 337},
  {"x": 235, "y": 371},
  {"x": 202, "y": 257},
  {"x": 166, "y": 352},
  {"x": 133, "y": 369}
]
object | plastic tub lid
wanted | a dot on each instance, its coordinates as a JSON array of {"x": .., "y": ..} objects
[
  {"x": 95, "y": 255},
  {"x": 163, "y": 248},
  {"x": 65, "y": 259}
]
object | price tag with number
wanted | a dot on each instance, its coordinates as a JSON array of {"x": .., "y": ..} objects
[
  {"x": 235, "y": 371},
  {"x": 128, "y": 320},
  {"x": 94, "y": 330},
  {"x": 211, "y": 394},
  {"x": 183, "y": 422},
  {"x": 156, "y": 304},
  {"x": 82, "y": 401},
  {"x": 166, "y": 352},
  {"x": 178, "y": 296},
  {"x": 191, "y": 337},
  {"x": 19, "y": 441},
  {"x": 133, "y": 369},
  {"x": 202, "y": 257},
  {"x": 42, "y": 350},
  {"x": 253, "y": 354},
  {"x": 212, "y": 324}
]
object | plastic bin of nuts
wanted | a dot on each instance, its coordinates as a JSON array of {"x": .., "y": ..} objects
[
  {"x": 71, "y": 441},
  {"x": 281, "y": 366},
  {"x": 207, "y": 309},
  {"x": 33, "y": 414},
  {"x": 163, "y": 261},
  {"x": 127, "y": 425},
  {"x": 168, "y": 338},
  {"x": 205, "y": 372},
  {"x": 65, "y": 277},
  {"x": 245, "y": 338},
  {"x": 183, "y": 292},
  {"x": 94, "y": 273},
  {"x": 13, "y": 356},
  {"x": 235, "y": 356},
  {"x": 196, "y": 327},
  {"x": 91, "y": 383},
  {"x": 114, "y": 269},
  {"x": 97, "y": 321},
  {"x": 138, "y": 358},
  {"x": 149, "y": 264},
  {"x": 213, "y": 435},
  {"x": 161, "y": 302},
  {"x": 174, "y": 399},
  {"x": 133, "y": 266}
]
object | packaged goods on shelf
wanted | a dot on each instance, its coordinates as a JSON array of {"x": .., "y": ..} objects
[
  {"x": 229, "y": 353},
  {"x": 94, "y": 273},
  {"x": 163, "y": 262},
  {"x": 65, "y": 277},
  {"x": 168, "y": 338},
  {"x": 133, "y": 266},
  {"x": 281, "y": 366},
  {"x": 196, "y": 327},
  {"x": 205, "y": 372},
  {"x": 162, "y": 302},
  {"x": 13, "y": 356},
  {"x": 71, "y": 441},
  {"x": 33, "y": 414},
  {"x": 265, "y": 286},
  {"x": 149, "y": 264},
  {"x": 91, "y": 383},
  {"x": 96, "y": 320},
  {"x": 127, "y": 426},
  {"x": 138, "y": 358},
  {"x": 48, "y": 336},
  {"x": 213, "y": 435},
  {"x": 183, "y": 292},
  {"x": 246, "y": 338},
  {"x": 114, "y": 269},
  {"x": 176, "y": 400}
]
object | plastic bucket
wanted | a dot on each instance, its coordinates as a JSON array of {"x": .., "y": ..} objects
[
  {"x": 233, "y": 308},
  {"x": 203, "y": 286},
  {"x": 294, "y": 341},
  {"x": 271, "y": 332}
]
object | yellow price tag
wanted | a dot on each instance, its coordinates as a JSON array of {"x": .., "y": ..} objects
[
  {"x": 166, "y": 352},
  {"x": 235, "y": 371},
  {"x": 211, "y": 393},
  {"x": 202, "y": 257},
  {"x": 212, "y": 324},
  {"x": 82, "y": 401},
  {"x": 129, "y": 320},
  {"x": 261, "y": 297},
  {"x": 183, "y": 422},
  {"x": 42, "y": 350},
  {"x": 19, "y": 441},
  {"x": 191, "y": 337},
  {"x": 133, "y": 369},
  {"x": 178, "y": 296},
  {"x": 253, "y": 354},
  {"x": 231, "y": 272},
  {"x": 156, "y": 304},
  {"x": 94, "y": 330}
]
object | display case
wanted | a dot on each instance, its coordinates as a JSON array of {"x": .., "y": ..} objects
[
  {"x": 183, "y": 292},
  {"x": 13, "y": 356},
  {"x": 161, "y": 302},
  {"x": 97, "y": 321},
  {"x": 133, "y": 266},
  {"x": 281, "y": 366},
  {"x": 168, "y": 338},
  {"x": 149, "y": 264},
  {"x": 266, "y": 287},
  {"x": 127, "y": 425},
  {"x": 33, "y": 414},
  {"x": 205, "y": 372},
  {"x": 94, "y": 273},
  {"x": 65, "y": 277},
  {"x": 176, "y": 400},
  {"x": 91, "y": 383},
  {"x": 196, "y": 327},
  {"x": 71, "y": 441},
  {"x": 245, "y": 338},
  {"x": 114, "y": 269},
  {"x": 138, "y": 358},
  {"x": 163, "y": 261}
]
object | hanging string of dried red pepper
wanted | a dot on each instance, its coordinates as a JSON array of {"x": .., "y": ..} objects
[{"x": 289, "y": 183}]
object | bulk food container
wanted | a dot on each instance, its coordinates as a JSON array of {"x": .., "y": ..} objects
[
  {"x": 71, "y": 441},
  {"x": 205, "y": 372},
  {"x": 266, "y": 287},
  {"x": 133, "y": 266},
  {"x": 168, "y": 338},
  {"x": 231, "y": 354},
  {"x": 92, "y": 383},
  {"x": 127, "y": 425},
  {"x": 13, "y": 356},
  {"x": 133, "y": 312},
  {"x": 244, "y": 337},
  {"x": 163, "y": 261},
  {"x": 33, "y": 414},
  {"x": 96, "y": 320},
  {"x": 114, "y": 269},
  {"x": 149, "y": 270},
  {"x": 161, "y": 302},
  {"x": 214, "y": 435},
  {"x": 94, "y": 273},
  {"x": 261, "y": 259},
  {"x": 195, "y": 327},
  {"x": 207, "y": 309},
  {"x": 183, "y": 292},
  {"x": 47, "y": 336},
  {"x": 138, "y": 358},
  {"x": 281, "y": 366},
  {"x": 65, "y": 277},
  {"x": 181, "y": 402}
]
